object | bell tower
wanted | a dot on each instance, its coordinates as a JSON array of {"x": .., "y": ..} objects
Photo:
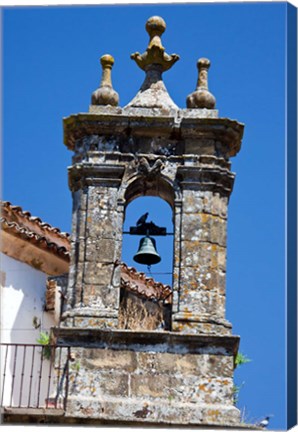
[{"x": 151, "y": 147}]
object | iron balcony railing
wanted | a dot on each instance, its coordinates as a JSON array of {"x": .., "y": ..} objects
[{"x": 34, "y": 376}]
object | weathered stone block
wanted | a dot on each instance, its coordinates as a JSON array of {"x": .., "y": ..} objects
[
  {"x": 101, "y": 197},
  {"x": 188, "y": 326},
  {"x": 88, "y": 383},
  {"x": 102, "y": 359},
  {"x": 104, "y": 223},
  {"x": 203, "y": 390},
  {"x": 78, "y": 282},
  {"x": 203, "y": 277},
  {"x": 201, "y": 146},
  {"x": 94, "y": 322},
  {"x": 112, "y": 384},
  {"x": 79, "y": 227},
  {"x": 101, "y": 296},
  {"x": 98, "y": 273},
  {"x": 171, "y": 363},
  {"x": 205, "y": 202},
  {"x": 196, "y": 253},
  {"x": 202, "y": 301},
  {"x": 154, "y": 386},
  {"x": 204, "y": 227},
  {"x": 102, "y": 250},
  {"x": 220, "y": 366}
]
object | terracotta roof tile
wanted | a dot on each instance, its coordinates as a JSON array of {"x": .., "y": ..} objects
[
  {"x": 21, "y": 224},
  {"x": 7, "y": 209},
  {"x": 139, "y": 283}
]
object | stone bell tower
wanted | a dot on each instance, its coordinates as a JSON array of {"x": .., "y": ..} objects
[{"x": 151, "y": 148}]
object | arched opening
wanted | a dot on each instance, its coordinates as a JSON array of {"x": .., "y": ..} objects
[
  {"x": 146, "y": 301},
  {"x": 150, "y": 186}
]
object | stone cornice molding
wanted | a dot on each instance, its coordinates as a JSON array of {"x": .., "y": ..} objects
[
  {"x": 225, "y": 132},
  {"x": 201, "y": 318},
  {"x": 228, "y": 133},
  {"x": 89, "y": 174},
  {"x": 160, "y": 341},
  {"x": 215, "y": 179}
]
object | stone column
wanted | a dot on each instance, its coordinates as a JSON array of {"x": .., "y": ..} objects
[
  {"x": 94, "y": 283},
  {"x": 201, "y": 248}
]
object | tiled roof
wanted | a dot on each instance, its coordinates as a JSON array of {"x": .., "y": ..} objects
[
  {"x": 139, "y": 283},
  {"x": 22, "y": 224}
]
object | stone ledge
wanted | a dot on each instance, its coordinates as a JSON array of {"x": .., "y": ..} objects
[
  {"x": 15, "y": 417},
  {"x": 190, "y": 316},
  {"x": 150, "y": 124},
  {"x": 160, "y": 413},
  {"x": 155, "y": 341},
  {"x": 89, "y": 312},
  {"x": 31, "y": 415},
  {"x": 32, "y": 411}
]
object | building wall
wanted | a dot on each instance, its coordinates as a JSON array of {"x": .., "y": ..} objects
[
  {"x": 150, "y": 377},
  {"x": 22, "y": 319},
  {"x": 22, "y": 301}
]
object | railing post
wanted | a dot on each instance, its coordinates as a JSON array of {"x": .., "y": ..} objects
[
  {"x": 4, "y": 375},
  {"x": 52, "y": 362},
  {"x": 13, "y": 373},
  {"x": 67, "y": 379},
  {"x": 31, "y": 375},
  {"x": 22, "y": 375}
]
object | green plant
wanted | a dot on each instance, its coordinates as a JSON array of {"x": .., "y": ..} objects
[
  {"x": 170, "y": 398},
  {"x": 241, "y": 359},
  {"x": 44, "y": 340},
  {"x": 75, "y": 367},
  {"x": 236, "y": 390}
]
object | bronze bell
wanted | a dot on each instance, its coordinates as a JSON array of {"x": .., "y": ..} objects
[{"x": 147, "y": 253}]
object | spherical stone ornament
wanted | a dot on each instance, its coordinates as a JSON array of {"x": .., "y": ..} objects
[
  {"x": 201, "y": 99},
  {"x": 107, "y": 61},
  {"x": 155, "y": 26},
  {"x": 105, "y": 96},
  {"x": 203, "y": 62}
]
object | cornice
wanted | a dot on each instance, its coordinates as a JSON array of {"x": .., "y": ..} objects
[{"x": 148, "y": 123}]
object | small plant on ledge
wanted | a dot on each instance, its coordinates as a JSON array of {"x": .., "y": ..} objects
[
  {"x": 44, "y": 340},
  {"x": 240, "y": 360}
]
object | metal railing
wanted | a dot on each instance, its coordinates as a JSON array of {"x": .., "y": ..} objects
[{"x": 34, "y": 376}]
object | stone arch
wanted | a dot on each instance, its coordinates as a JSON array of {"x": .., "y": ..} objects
[{"x": 158, "y": 186}]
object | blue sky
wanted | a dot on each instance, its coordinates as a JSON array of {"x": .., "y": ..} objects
[{"x": 51, "y": 67}]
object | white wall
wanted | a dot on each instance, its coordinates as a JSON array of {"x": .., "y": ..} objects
[{"x": 22, "y": 301}]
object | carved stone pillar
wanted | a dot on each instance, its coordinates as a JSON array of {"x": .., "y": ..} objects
[
  {"x": 201, "y": 246},
  {"x": 93, "y": 293}
]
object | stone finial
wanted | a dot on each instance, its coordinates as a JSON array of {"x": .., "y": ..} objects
[
  {"x": 155, "y": 53},
  {"x": 105, "y": 94},
  {"x": 154, "y": 61},
  {"x": 201, "y": 97}
]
